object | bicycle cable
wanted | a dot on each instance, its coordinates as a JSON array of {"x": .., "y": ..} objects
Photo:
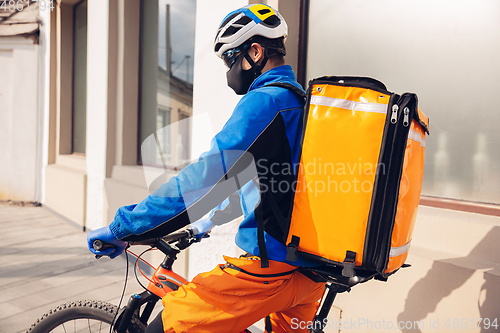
[
  {"x": 123, "y": 294},
  {"x": 137, "y": 264},
  {"x": 126, "y": 280}
]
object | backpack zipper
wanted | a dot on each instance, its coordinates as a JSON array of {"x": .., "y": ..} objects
[
  {"x": 394, "y": 117},
  {"x": 395, "y": 167},
  {"x": 380, "y": 184},
  {"x": 406, "y": 119}
]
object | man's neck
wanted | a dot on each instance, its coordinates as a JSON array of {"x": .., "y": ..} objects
[{"x": 272, "y": 64}]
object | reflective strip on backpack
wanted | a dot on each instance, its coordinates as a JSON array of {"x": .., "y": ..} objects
[
  {"x": 416, "y": 137},
  {"x": 397, "y": 251},
  {"x": 349, "y": 105}
]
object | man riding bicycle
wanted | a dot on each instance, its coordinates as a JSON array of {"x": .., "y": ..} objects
[{"x": 263, "y": 131}]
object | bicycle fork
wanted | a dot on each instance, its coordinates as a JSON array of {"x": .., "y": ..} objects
[{"x": 135, "y": 302}]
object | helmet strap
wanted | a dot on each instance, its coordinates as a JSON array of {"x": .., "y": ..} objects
[
  {"x": 256, "y": 67},
  {"x": 250, "y": 60},
  {"x": 261, "y": 66}
]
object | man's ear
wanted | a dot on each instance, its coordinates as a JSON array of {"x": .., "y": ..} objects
[{"x": 256, "y": 52}]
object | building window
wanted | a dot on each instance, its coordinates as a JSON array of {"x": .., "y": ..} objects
[
  {"x": 79, "y": 78},
  {"x": 183, "y": 137},
  {"x": 167, "y": 52},
  {"x": 164, "y": 134},
  {"x": 436, "y": 57}
]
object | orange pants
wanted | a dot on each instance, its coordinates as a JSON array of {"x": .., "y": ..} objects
[{"x": 228, "y": 300}]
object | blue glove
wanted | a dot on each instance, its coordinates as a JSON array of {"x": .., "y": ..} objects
[
  {"x": 202, "y": 227},
  {"x": 105, "y": 235}
]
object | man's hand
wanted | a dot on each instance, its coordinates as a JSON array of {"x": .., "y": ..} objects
[
  {"x": 105, "y": 235},
  {"x": 202, "y": 227}
]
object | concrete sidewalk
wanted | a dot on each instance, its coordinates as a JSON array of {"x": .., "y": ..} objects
[{"x": 44, "y": 262}]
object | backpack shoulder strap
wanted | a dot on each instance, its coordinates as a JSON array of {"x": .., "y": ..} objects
[
  {"x": 297, "y": 91},
  {"x": 269, "y": 196}
]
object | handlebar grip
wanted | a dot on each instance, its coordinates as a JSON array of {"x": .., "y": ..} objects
[{"x": 99, "y": 245}]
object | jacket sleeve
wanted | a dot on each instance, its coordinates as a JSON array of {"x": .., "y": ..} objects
[
  {"x": 227, "y": 211},
  {"x": 201, "y": 186}
]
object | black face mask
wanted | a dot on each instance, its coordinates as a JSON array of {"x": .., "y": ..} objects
[{"x": 238, "y": 79}]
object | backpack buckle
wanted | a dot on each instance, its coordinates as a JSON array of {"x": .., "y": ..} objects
[
  {"x": 349, "y": 263},
  {"x": 292, "y": 249}
]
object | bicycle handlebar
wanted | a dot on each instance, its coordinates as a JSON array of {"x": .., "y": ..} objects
[
  {"x": 188, "y": 233},
  {"x": 99, "y": 245},
  {"x": 162, "y": 243}
]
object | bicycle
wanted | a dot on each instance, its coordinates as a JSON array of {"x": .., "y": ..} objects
[{"x": 133, "y": 317}]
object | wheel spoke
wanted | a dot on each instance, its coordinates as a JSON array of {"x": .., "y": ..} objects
[{"x": 82, "y": 325}]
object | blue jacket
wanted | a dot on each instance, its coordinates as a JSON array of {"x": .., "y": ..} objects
[{"x": 257, "y": 149}]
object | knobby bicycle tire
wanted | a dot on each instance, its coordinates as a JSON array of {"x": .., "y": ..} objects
[{"x": 83, "y": 309}]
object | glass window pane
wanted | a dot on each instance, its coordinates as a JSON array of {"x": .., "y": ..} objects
[
  {"x": 164, "y": 137},
  {"x": 167, "y": 52},
  {"x": 447, "y": 55},
  {"x": 184, "y": 137},
  {"x": 80, "y": 78}
]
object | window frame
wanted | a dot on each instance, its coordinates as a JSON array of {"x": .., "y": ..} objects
[{"x": 73, "y": 152}]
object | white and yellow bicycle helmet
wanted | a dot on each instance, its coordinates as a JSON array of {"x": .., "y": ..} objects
[{"x": 249, "y": 21}]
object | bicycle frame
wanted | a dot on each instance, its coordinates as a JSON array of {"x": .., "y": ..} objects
[
  {"x": 165, "y": 280},
  {"x": 336, "y": 284}
]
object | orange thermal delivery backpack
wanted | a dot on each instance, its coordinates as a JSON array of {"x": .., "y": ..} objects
[{"x": 360, "y": 176}]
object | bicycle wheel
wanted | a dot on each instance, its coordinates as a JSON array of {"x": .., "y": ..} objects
[{"x": 82, "y": 316}]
